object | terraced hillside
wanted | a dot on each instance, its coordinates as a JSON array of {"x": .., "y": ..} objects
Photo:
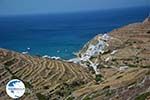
[
  {"x": 43, "y": 78},
  {"x": 133, "y": 49},
  {"x": 119, "y": 85}
]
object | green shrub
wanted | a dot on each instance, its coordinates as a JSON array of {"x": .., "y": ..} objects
[
  {"x": 41, "y": 97},
  {"x": 14, "y": 77},
  {"x": 106, "y": 87},
  {"x": 119, "y": 77},
  {"x": 146, "y": 66},
  {"x": 27, "y": 84},
  {"x": 87, "y": 98},
  {"x": 70, "y": 98},
  {"x": 98, "y": 77},
  {"x": 143, "y": 96},
  {"x": 131, "y": 65}
]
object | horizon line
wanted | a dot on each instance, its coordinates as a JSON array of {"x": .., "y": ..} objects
[{"x": 72, "y": 12}]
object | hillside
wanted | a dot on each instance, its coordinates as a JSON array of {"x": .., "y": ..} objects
[
  {"x": 112, "y": 66},
  {"x": 122, "y": 58},
  {"x": 128, "y": 46},
  {"x": 51, "y": 78}
]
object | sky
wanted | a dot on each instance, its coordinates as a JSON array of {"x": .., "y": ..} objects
[{"x": 21, "y": 7}]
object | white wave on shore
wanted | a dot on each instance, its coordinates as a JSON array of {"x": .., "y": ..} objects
[{"x": 53, "y": 57}]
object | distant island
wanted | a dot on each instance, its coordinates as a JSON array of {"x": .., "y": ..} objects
[{"x": 113, "y": 66}]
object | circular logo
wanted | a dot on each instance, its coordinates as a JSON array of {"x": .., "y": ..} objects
[{"x": 15, "y": 88}]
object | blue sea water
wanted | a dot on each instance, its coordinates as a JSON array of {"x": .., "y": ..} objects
[{"x": 62, "y": 34}]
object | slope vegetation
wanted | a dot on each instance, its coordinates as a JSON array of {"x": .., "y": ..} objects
[{"x": 43, "y": 77}]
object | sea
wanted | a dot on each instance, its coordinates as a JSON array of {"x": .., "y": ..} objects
[{"x": 65, "y": 33}]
